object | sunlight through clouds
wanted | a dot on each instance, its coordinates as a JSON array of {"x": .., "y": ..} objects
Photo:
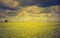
[
  {"x": 14, "y": 10},
  {"x": 29, "y": 14}
]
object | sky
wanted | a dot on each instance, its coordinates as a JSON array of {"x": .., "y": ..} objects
[
  {"x": 16, "y": 7},
  {"x": 12, "y": 4}
]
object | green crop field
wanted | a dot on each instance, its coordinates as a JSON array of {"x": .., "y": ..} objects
[{"x": 29, "y": 30}]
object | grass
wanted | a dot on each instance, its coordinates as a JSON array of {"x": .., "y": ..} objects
[{"x": 29, "y": 30}]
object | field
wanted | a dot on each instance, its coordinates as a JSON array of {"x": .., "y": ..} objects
[{"x": 29, "y": 30}]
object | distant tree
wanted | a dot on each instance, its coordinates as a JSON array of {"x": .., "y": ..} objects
[{"x": 6, "y": 20}]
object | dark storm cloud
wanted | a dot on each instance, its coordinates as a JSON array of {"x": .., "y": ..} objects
[
  {"x": 28, "y": 2},
  {"x": 48, "y": 3},
  {"x": 41, "y": 3},
  {"x": 7, "y": 7},
  {"x": 22, "y": 3},
  {"x": 8, "y": 4}
]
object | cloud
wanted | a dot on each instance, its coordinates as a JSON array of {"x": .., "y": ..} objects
[
  {"x": 41, "y": 3},
  {"x": 27, "y": 2},
  {"x": 9, "y": 7},
  {"x": 48, "y": 3},
  {"x": 15, "y": 5},
  {"x": 8, "y": 4}
]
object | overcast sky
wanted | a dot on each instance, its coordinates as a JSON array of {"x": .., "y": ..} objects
[{"x": 14, "y": 7}]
